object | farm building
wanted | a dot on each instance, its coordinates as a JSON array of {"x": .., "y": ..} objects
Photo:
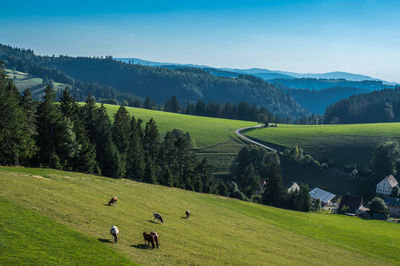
[
  {"x": 351, "y": 204},
  {"x": 324, "y": 196},
  {"x": 384, "y": 188},
  {"x": 294, "y": 187},
  {"x": 393, "y": 205}
]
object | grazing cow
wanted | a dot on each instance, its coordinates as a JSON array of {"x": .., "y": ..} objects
[
  {"x": 114, "y": 232},
  {"x": 155, "y": 236},
  {"x": 113, "y": 201},
  {"x": 187, "y": 212},
  {"x": 158, "y": 217},
  {"x": 149, "y": 238}
]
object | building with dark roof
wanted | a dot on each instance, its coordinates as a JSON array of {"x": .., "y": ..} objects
[{"x": 353, "y": 203}]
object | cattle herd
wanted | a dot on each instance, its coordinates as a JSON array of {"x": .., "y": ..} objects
[{"x": 149, "y": 238}]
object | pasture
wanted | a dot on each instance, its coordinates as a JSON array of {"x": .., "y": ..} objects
[
  {"x": 29, "y": 238},
  {"x": 342, "y": 144},
  {"x": 205, "y": 131},
  {"x": 24, "y": 80},
  {"x": 220, "y": 230}
]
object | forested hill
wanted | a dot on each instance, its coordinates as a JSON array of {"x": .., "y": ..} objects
[
  {"x": 377, "y": 106},
  {"x": 320, "y": 84},
  {"x": 158, "y": 83}
]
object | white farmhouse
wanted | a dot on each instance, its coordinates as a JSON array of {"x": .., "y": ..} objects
[{"x": 384, "y": 188}]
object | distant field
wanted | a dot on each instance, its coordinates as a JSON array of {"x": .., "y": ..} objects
[
  {"x": 344, "y": 144},
  {"x": 220, "y": 230},
  {"x": 205, "y": 131},
  {"x": 24, "y": 81},
  {"x": 28, "y": 238},
  {"x": 213, "y": 138}
]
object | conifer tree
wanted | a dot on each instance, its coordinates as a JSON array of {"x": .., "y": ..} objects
[
  {"x": 274, "y": 187},
  {"x": 29, "y": 107},
  {"x": 16, "y": 142},
  {"x": 149, "y": 174},
  {"x": 48, "y": 125},
  {"x": 107, "y": 154},
  {"x": 120, "y": 130},
  {"x": 151, "y": 140},
  {"x": 135, "y": 163}
]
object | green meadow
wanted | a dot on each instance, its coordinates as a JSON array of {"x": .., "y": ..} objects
[
  {"x": 29, "y": 238},
  {"x": 24, "y": 80},
  {"x": 205, "y": 131},
  {"x": 213, "y": 138},
  {"x": 220, "y": 230},
  {"x": 342, "y": 144}
]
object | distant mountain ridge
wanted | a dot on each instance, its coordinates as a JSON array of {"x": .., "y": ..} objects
[{"x": 265, "y": 74}]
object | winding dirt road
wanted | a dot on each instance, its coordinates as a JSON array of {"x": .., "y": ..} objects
[{"x": 252, "y": 141}]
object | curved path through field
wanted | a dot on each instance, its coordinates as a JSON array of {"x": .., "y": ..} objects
[{"x": 250, "y": 140}]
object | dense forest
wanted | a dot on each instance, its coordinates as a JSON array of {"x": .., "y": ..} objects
[
  {"x": 121, "y": 80},
  {"x": 82, "y": 138},
  {"x": 377, "y": 106},
  {"x": 320, "y": 84},
  {"x": 316, "y": 101},
  {"x": 240, "y": 111}
]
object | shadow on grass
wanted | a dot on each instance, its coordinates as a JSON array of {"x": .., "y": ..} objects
[
  {"x": 103, "y": 240},
  {"x": 183, "y": 217},
  {"x": 151, "y": 221},
  {"x": 140, "y": 246}
]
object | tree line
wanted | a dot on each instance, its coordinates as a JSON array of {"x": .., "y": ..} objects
[
  {"x": 241, "y": 111},
  {"x": 377, "y": 106},
  {"x": 82, "y": 138}
]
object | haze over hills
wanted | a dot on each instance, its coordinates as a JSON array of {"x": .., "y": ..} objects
[{"x": 263, "y": 73}]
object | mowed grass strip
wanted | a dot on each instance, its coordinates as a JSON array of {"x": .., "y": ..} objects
[
  {"x": 28, "y": 238},
  {"x": 204, "y": 131},
  {"x": 219, "y": 231},
  {"x": 291, "y": 135}
]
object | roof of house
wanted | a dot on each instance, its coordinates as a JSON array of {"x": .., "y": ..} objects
[
  {"x": 351, "y": 201},
  {"x": 393, "y": 202},
  {"x": 294, "y": 187},
  {"x": 390, "y": 180},
  {"x": 321, "y": 194}
]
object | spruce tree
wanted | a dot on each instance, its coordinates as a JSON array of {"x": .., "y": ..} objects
[
  {"x": 107, "y": 154},
  {"x": 135, "y": 163},
  {"x": 48, "y": 125},
  {"x": 149, "y": 174},
  {"x": 274, "y": 191},
  {"x": 120, "y": 130},
  {"x": 29, "y": 107},
  {"x": 151, "y": 140},
  {"x": 16, "y": 142}
]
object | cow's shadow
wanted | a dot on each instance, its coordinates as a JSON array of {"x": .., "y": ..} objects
[
  {"x": 140, "y": 246},
  {"x": 151, "y": 221},
  {"x": 103, "y": 240}
]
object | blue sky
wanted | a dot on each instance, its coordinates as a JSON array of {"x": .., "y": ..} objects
[{"x": 302, "y": 36}]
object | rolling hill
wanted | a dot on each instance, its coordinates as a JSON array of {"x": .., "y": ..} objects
[
  {"x": 213, "y": 138},
  {"x": 105, "y": 77},
  {"x": 341, "y": 144},
  {"x": 219, "y": 231}
]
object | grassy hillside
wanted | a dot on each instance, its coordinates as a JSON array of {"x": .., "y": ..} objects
[
  {"x": 205, "y": 131},
  {"x": 213, "y": 138},
  {"x": 30, "y": 238},
  {"x": 24, "y": 81},
  {"x": 220, "y": 230},
  {"x": 343, "y": 144}
]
